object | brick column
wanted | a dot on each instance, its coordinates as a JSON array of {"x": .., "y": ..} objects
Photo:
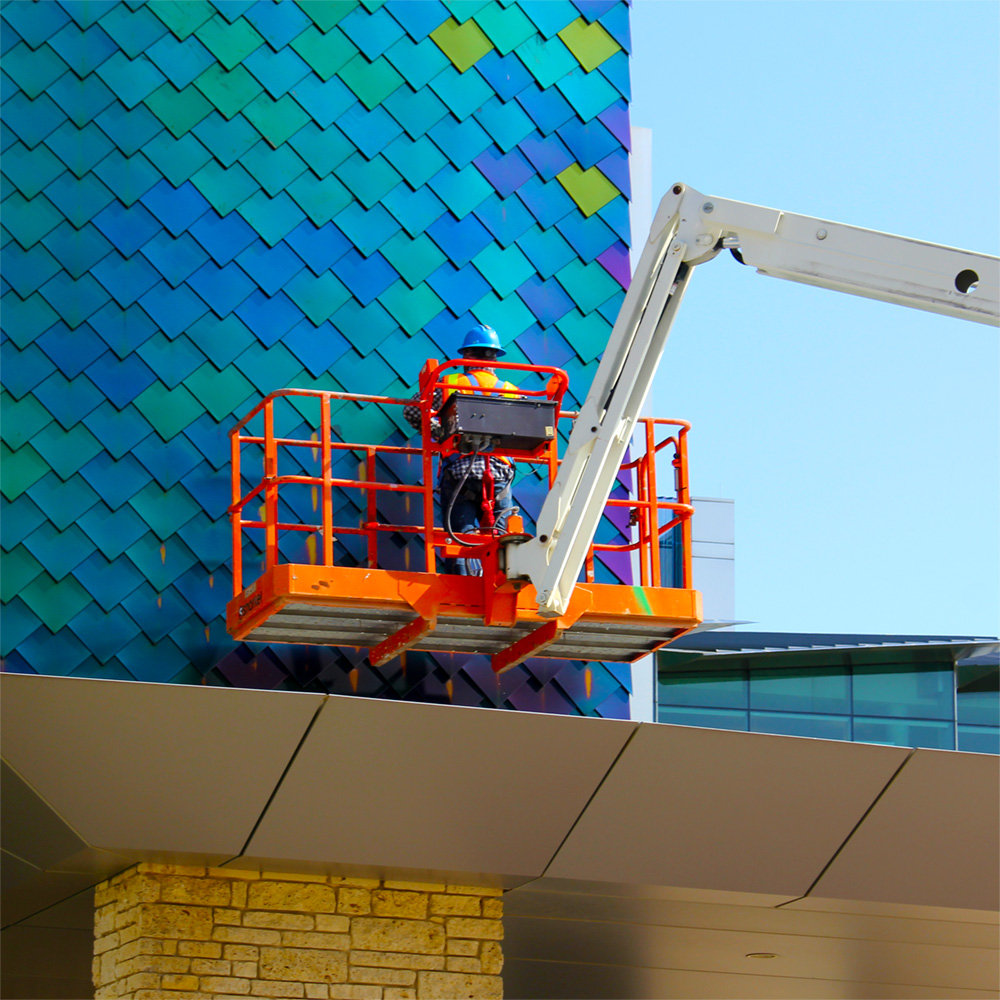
[{"x": 164, "y": 932}]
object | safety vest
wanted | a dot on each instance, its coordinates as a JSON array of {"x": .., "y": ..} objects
[{"x": 482, "y": 382}]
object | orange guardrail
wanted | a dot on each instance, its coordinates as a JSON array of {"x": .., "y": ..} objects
[{"x": 652, "y": 516}]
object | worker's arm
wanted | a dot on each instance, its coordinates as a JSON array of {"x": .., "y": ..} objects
[{"x": 690, "y": 229}]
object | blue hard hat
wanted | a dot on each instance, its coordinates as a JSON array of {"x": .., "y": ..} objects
[{"x": 483, "y": 336}]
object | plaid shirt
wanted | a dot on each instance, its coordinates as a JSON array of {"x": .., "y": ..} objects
[{"x": 456, "y": 466}]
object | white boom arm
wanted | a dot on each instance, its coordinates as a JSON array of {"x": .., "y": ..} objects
[{"x": 690, "y": 229}]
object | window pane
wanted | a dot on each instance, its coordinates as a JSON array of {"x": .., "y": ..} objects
[
  {"x": 706, "y": 718},
  {"x": 826, "y": 690},
  {"x": 905, "y": 733},
  {"x": 823, "y": 727},
  {"x": 905, "y": 691},
  {"x": 710, "y": 688},
  {"x": 979, "y": 739},
  {"x": 979, "y": 708}
]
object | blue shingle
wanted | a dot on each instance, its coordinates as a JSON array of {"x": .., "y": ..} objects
[
  {"x": 120, "y": 381},
  {"x": 83, "y": 51},
  {"x": 127, "y": 228},
  {"x": 172, "y": 360},
  {"x": 123, "y": 330},
  {"x": 118, "y": 430},
  {"x": 271, "y": 267},
  {"x": 114, "y": 481},
  {"x": 126, "y": 280},
  {"x": 73, "y": 349},
  {"x": 223, "y": 238},
  {"x": 109, "y": 583},
  {"x": 223, "y": 288},
  {"x": 129, "y": 130}
]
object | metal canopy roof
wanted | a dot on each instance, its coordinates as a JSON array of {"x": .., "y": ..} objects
[{"x": 613, "y": 837}]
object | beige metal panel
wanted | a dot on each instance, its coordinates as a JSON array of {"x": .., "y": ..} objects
[
  {"x": 42, "y": 962},
  {"x": 798, "y": 954},
  {"x": 910, "y": 924},
  {"x": 161, "y": 767},
  {"x": 932, "y": 839},
  {"x": 738, "y": 812},
  {"x": 39, "y": 892},
  {"x": 556, "y": 980},
  {"x": 394, "y": 785},
  {"x": 29, "y": 829}
]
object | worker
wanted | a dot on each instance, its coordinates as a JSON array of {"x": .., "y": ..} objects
[{"x": 475, "y": 489}]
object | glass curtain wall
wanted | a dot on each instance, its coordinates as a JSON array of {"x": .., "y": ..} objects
[{"x": 903, "y": 704}]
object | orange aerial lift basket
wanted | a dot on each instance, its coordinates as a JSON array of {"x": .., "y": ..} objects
[{"x": 320, "y": 582}]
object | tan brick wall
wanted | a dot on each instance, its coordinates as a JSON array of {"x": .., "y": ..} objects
[{"x": 163, "y": 932}]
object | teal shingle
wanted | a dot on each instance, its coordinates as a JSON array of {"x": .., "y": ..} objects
[
  {"x": 131, "y": 80},
  {"x": 28, "y": 220},
  {"x": 33, "y": 71},
  {"x": 272, "y": 218},
  {"x": 32, "y": 170},
  {"x": 79, "y": 149},
  {"x": 26, "y": 319},
  {"x": 273, "y": 169},
  {"x": 324, "y": 53},
  {"x": 321, "y": 200},
  {"x": 277, "y": 121}
]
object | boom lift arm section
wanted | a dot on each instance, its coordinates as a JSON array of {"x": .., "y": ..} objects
[{"x": 690, "y": 229}]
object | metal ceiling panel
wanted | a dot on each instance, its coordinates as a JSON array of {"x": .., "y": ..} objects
[
  {"x": 152, "y": 767},
  {"x": 738, "y": 812},
  {"x": 31, "y": 831},
  {"x": 567, "y": 939},
  {"x": 932, "y": 839},
  {"x": 395, "y": 785}
]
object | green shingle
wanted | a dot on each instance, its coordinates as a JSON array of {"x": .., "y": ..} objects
[
  {"x": 221, "y": 392},
  {"x": 510, "y": 314},
  {"x": 272, "y": 218},
  {"x": 169, "y": 411},
  {"x": 65, "y": 451},
  {"x": 370, "y": 180},
  {"x": 20, "y": 567},
  {"x": 55, "y": 603},
  {"x": 19, "y": 470},
  {"x": 412, "y": 308},
  {"x": 590, "y": 189},
  {"x": 273, "y": 169},
  {"x": 277, "y": 121},
  {"x": 372, "y": 82},
  {"x": 229, "y": 43},
  {"x": 325, "y": 53},
  {"x": 413, "y": 259},
  {"x": 230, "y": 92},
  {"x": 326, "y": 13},
  {"x": 590, "y": 43},
  {"x": 179, "y": 110},
  {"x": 322, "y": 199},
  {"x": 225, "y": 189},
  {"x": 464, "y": 44},
  {"x": 182, "y": 17},
  {"x": 164, "y": 510},
  {"x": 318, "y": 297},
  {"x": 21, "y": 420}
]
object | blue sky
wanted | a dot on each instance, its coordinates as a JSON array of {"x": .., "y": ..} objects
[{"x": 860, "y": 440}]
